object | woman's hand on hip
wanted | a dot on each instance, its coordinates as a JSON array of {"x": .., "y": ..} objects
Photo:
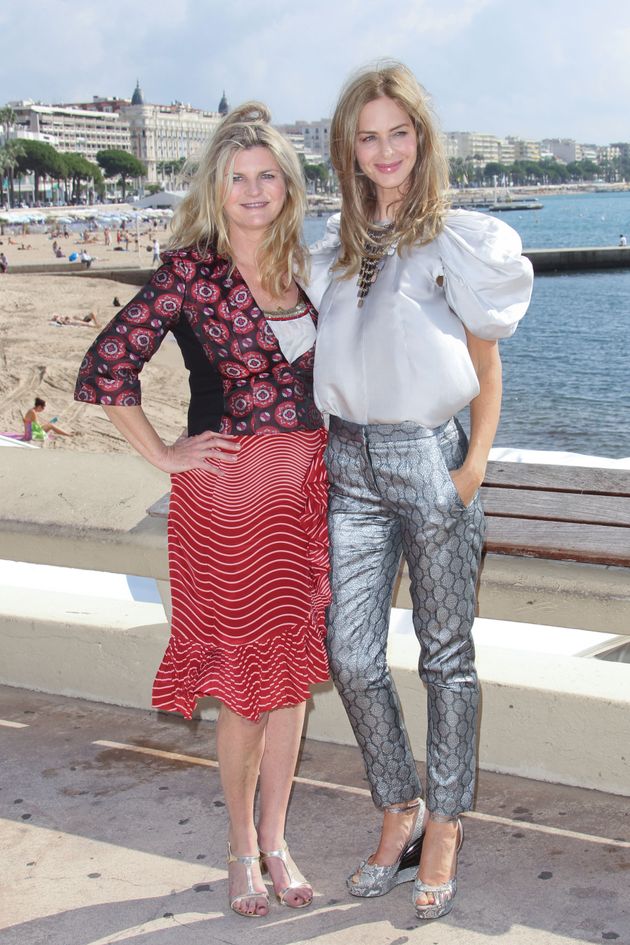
[{"x": 209, "y": 450}]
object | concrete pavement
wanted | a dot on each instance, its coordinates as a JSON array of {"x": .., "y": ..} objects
[{"x": 113, "y": 829}]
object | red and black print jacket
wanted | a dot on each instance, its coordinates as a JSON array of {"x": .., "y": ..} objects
[{"x": 240, "y": 382}]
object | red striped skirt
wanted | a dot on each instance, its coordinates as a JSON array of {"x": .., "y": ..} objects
[{"x": 248, "y": 561}]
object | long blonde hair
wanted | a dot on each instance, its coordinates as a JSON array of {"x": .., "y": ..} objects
[
  {"x": 418, "y": 217},
  {"x": 200, "y": 219}
]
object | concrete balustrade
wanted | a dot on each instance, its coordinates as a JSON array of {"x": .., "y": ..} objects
[{"x": 547, "y": 712}]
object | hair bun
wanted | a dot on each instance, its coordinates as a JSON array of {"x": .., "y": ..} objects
[{"x": 249, "y": 113}]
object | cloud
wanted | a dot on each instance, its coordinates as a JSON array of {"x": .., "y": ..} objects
[{"x": 541, "y": 69}]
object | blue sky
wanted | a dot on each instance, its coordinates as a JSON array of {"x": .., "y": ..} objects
[{"x": 538, "y": 68}]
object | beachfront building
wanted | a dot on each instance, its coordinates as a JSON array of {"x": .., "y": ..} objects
[
  {"x": 507, "y": 151},
  {"x": 317, "y": 137},
  {"x": 480, "y": 148},
  {"x": 71, "y": 128},
  {"x": 163, "y": 134},
  {"x": 588, "y": 152},
  {"x": 295, "y": 134},
  {"x": 563, "y": 149},
  {"x": 311, "y": 139},
  {"x": 522, "y": 149}
]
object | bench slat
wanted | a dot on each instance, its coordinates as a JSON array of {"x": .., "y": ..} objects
[
  {"x": 557, "y": 506},
  {"x": 568, "y": 541},
  {"x": 558, "y": 478}
]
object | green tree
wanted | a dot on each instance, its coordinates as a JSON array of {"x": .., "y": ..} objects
[
  {"x": 120, "y": 164},
  {"x": 317, "y": 174},
  {"x": 172, "y": 167},
  {"x": 79, "y": 170},
  {"x": 10, "y": 154},
  {"x": 8, "y": 119},
  {"x": 40, "y": 160}
]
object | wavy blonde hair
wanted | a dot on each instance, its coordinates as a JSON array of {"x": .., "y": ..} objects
[
  {"x": 419, "y": 215},
  {"x": 200, "y": 219}
]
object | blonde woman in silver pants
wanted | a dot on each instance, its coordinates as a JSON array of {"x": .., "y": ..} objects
[{"x": 413, "y": 299}]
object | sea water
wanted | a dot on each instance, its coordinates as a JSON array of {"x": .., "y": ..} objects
[{"x": 567, "y": 368}]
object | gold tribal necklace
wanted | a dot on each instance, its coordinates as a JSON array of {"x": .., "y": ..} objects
[{"x": 372, "y": 260}]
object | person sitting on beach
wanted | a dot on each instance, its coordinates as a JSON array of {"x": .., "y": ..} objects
[
  {"x": 4, "y": 263},
  {"x": 59, "y": 253},
  {"x": 622, "y": 240},
  {"x": 34, "y": 429},
  {"x": 86, "y": 259}
]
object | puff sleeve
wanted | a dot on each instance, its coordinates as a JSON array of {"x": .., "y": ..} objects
[
  {"x": 323, "y": 254},
  {"x": 109, "y": 373},
  {"x": 487, "y": 282}
]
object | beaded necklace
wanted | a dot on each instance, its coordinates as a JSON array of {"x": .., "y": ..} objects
[{"x": 372, "y": 261}]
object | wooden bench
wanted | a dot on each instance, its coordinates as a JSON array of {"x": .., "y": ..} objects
[{"x": 569, "y": 513}]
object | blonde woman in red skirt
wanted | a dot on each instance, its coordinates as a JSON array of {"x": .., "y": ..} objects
[{"x": 247, "y": 522}]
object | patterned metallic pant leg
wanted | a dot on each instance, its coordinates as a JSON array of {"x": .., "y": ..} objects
[
  {"x": 399, "y": 477},
  {"x": 365, "y": 554},
  {"x": 443, "y": 559}
]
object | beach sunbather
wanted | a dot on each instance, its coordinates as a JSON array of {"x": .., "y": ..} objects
[
  {"x": 34, "y": 429},
  {"x": 88, "y": 320}
]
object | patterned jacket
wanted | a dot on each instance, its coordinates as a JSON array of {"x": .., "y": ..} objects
[{"x": 240, "y": 381}]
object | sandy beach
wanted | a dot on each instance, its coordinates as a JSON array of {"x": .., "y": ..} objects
[
  {"x": 41, "y": 359},
  {"x": 38, "y": 247}
]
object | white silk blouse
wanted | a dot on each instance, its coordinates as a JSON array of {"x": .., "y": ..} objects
[{"x": 403, "y": 354}]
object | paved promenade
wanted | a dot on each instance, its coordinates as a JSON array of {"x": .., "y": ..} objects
[{"x": 112, "y": 830}]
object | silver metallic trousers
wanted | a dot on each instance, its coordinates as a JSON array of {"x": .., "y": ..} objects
[{"x": 391, "y": 493}]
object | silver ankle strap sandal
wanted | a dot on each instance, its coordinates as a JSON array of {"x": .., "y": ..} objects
[
  {"x": 370, "y": 879},
  {"x": 296, "y": 880}
]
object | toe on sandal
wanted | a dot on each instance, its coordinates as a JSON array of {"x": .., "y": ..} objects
[
  {"x": 248, "y": 862},
  {"x": 296, "y": 880},
  {"x": 443, "y": 895},
  {"x": 370, "y": 879}
]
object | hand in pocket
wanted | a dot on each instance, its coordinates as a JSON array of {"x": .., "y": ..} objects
[{"x": 465, "y": 483}]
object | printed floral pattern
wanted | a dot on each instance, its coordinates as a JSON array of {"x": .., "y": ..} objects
[{"x": 192, "y": 295}]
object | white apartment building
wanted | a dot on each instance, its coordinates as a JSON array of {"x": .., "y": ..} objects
[
  {"x": 524, "y": 150},
  {"x": 71, "y": 128},
  {"x": 167, "y": 132},
  {"x": 316, "y": 137},
  {"x": 609, "y": 153},
  {"x": 563, "y": 149},
  {"x": 481, "y": 148},
  {"x": 507, "y": 151},
  {"x": 588, "y": 152},
  {"x": 161, "y": 133}
]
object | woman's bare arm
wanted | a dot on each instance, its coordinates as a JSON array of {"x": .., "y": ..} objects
[
  {"x": 188, "y": 452},
  {"x": 485, "y": 411}
]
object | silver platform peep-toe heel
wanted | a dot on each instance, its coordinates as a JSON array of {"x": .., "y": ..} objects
[
  {"x": 444, "y": 894},
  {"x": 374, "y": 880}
]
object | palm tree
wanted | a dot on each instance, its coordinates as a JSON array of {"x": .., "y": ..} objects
[{"x": 10, "y": 155}]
